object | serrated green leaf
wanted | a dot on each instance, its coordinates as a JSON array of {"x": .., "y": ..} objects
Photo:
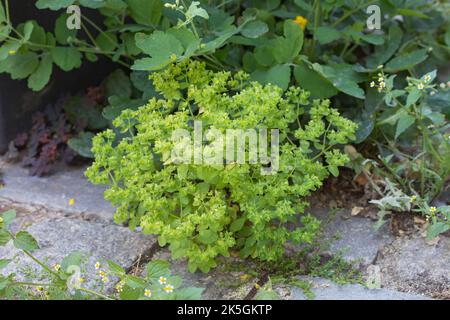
[
  {"x": 319, "y": 86},
  {"x": 21, "y": 65},
  {"x": 62, "y": 33},
  {"x": 25, "y": 241},
  {"x": 207, "y": 236},
  {"x": 158, "y": 268},
  {"x": 279, "y": 75},
  {"x": 115, "y": 268},
  {"x": 67, "y": 58}
]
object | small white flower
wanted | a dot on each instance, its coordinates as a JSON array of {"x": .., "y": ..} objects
[
  {"x": 442, "y": 85},
  {"x": 148, "y": 293},
  {"x": 168, "y": 288},
  {"x": 372, "y": 84},
  {"x": 97, "y": 265},
  {"x": 420, "y": 86},
  {"x": 162, "y": 280},
  {"x": 432, "y": 93}
]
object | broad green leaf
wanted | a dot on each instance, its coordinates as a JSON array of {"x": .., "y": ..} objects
[
  {"x": 327, "y": 34},
  {"x": 279, "y": 75},
  {"x": 9, "y": 48},
  {"x": 333, "y": 170},
  {"x": 413, "y": 97},
  {"x": 27, "y": 30},
  {"x": 403, "y": 124},
  {"x": 255, "y": 29},
  {"x": 341, "y": 80},
  {"x": 74, "y": 259},
  {"x": 319, "y": 86},
  {"x": 385, "y": 52},
  {"x": 8, "y": 217},
  {"x": 208, "y": 236},
  {"x": 53, "y": 4},
  {"x": 62, "y": 33},
  {"x": 39, "y": 79},
  {"x": 146, "y": 12},
  {"x": 375, "y": 39},
  {"x": 189, "y": 293},
  {"x": 25, "y": 241},
  {"x": 82, "y": 144},
  {"x": 21, "y": 65},
  {"x": 158, "y": 268},
  {"x": 436, "y": 229},
  {"x": 287, "y": 48},
  {"x": 93, "y": 4},
  {"x": 406, "y": 61},
  {"x": 115, "y": 268},
  {"x": 118, "y": 84},
  {"x": 163, "y": 48},
  {"x": 107, "y": 41},
  {"x": 67, "y": 58},
  {"x": 187, "y": 39}
]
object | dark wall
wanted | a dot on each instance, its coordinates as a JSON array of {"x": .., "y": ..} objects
[{"x": 17, "y": 102}]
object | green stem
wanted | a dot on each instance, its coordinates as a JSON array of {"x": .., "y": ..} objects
[
  {"x": 95, "y": 293},
  {"x": 351, "y": 12}
]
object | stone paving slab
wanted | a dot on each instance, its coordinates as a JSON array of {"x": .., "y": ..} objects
[
  {"x": 412, "y": 265},
  {"x": 55, "y": 191},
  {"x": 218, "y": 285},
  {"x": 59, "y": 237},
  {"x": 327, "y": 290},
  {"x": 356, "y": 238}
]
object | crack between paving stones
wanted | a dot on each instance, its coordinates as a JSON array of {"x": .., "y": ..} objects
[{"x": 261, "y": 282}]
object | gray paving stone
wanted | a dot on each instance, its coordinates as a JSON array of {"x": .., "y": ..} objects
[
  {"x": 55, "y": 191},
  {"x": 327, "y": 290},
  {"x": 412, "y": 265},
  {"x": 59, "y": 237},
  {"x": 356, "y": 237},
  {"x": 218, "y": 285}
]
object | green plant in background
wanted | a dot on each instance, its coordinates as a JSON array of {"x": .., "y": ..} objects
[
  {"x": 204, "y": 211},
  {"x": 71, "y": 279},
  {"x": 412, "y": 138}
]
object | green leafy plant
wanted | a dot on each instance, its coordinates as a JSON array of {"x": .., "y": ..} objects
[
  {"x": 69, "y": 279},
  {"x": 413, "y": 144},
  {"x": 204, "y": 211}
]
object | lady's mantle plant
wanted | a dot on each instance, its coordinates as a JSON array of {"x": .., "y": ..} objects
[{"x": 205, "y": 211}]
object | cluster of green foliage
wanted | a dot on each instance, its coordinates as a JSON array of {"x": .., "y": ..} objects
[
  {"x": 413, "y": 143},
  {"x": 203, "y": 211},
  {"x": 72, "y": 279}
]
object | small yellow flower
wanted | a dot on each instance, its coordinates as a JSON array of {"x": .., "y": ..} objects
[
  {"x": 12, "y": 52},
  {"x": 71, "y": 202},
  {"x": 420, "y": 86},
  {"x": 301, "y": 21},
  {"x": 102, "y": 274},
  {"x": 119, "y": 286},
  {"x": 81, "y": 280},
  {"x": 148, "y": 293},
  {"x": 382, "y": 84},
  {"x": 105, "y": 279},
  {"x": 168, "y": 288},
  {"x": 97, "y": 265},
  {"x": 413, "y": 198},
  {"x": 162, "y": 280},
  {"x": 257, "y": 286},
  {"x": 433, "y": 210},
  {"x": 427, "y": 78},
  {"x": 372, "y": 84},
  {"x": 40, "y": 289},
  {"x": 57, "y": 267}
]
